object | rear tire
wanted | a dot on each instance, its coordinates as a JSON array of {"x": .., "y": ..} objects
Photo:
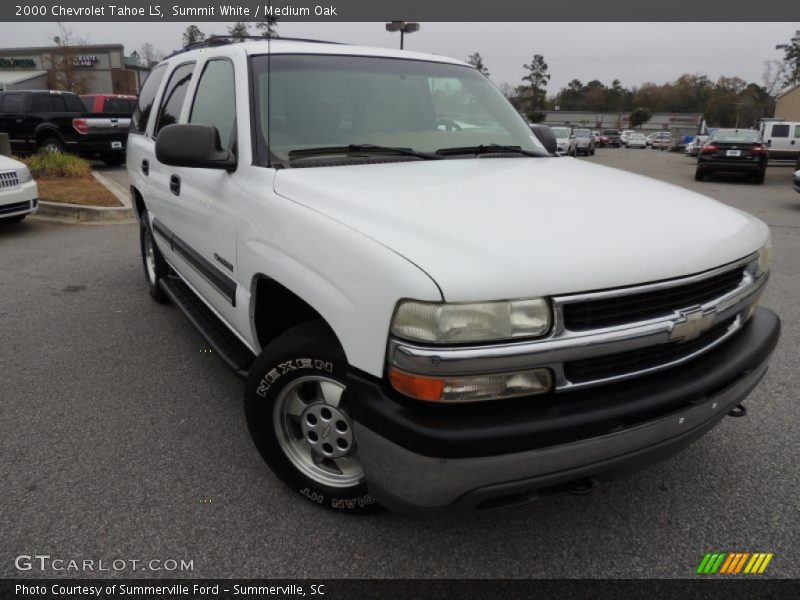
[
  {"x": 759, "y": 178},
  {"x": 297, "y": 412},
  {"x": 154, "y": 265},
  {"x": 51, "y": 144},
  {"x": 699, "y": 175}
]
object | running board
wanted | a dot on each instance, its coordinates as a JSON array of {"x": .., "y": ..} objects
[{"x": 235, "y": 354}]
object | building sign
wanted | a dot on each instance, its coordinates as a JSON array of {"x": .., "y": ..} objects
[
  {"x": 17, "y": 63},
  {"x": 86, "y": 60}
]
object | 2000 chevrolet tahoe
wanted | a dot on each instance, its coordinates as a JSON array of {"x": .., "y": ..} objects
[{"x": 430, "y": 309}]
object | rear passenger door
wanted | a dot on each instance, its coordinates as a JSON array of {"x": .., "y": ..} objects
[{"x": 207, "y": 203}]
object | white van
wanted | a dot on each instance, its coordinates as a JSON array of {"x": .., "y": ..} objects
[{"x": 782, "y": 138}]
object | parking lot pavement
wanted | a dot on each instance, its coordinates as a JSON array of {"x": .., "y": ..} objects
[{"x": 120, "y": 438}]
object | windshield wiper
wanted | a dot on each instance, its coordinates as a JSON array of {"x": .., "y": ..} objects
[
  {"x": 488, "y": 149},
  {"x": 362, "y": 150}
]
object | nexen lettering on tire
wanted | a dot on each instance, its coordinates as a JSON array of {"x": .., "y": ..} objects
[{"x": 290, "y": 365}]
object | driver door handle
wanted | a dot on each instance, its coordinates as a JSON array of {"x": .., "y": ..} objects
[{"x": 175, "y": 185}]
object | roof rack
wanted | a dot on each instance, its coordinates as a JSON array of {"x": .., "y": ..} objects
[{"x": 221, "y": 40}]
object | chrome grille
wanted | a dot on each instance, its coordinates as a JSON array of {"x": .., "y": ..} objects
[
  {"x": 617, "y": 310},
  {"x": 9, "y": 179}
]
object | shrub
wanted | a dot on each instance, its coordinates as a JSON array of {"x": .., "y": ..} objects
[{"x": 48, "y": 165}]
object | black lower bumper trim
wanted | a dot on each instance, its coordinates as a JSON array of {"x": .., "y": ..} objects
[{"x": 502, "y": 427}]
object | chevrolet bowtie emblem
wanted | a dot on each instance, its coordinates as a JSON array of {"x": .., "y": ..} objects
[{"x": 693, "y": 323}]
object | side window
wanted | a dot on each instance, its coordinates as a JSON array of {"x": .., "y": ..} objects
[
  {"x": 780, "y": 131},
  {"x": 88, "y": 104},
  {"x": 74, "y": 103},
  {"x": 147, "y": 96},
  {"x": 12, "y": 103},
  {"x": 41, "y": 103},
  {"x": 215, "y": 101},
  {"x": 797, "y": 131},
  {"x": 58, "y": 104},
  {"x": 175, "y": 92}
]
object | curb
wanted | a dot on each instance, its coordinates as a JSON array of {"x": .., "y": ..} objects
[
  {"x": 76, "y": 212},
  {"x": 96, "y": 214}
]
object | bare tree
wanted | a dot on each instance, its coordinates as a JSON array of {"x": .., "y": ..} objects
[
  {"x": 192, "y": 35},
  {"x": 774, "y": 73},
  {"x": 149, "y": 55},
  {"x": 68, "y": 71},
  {"x": 268, "y": 27}
]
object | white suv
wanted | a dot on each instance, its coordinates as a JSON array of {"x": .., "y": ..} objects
[
  {"x": 429, "y": 309},
  {"x": 19, "y": 194}
]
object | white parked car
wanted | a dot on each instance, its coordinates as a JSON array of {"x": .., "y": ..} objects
[
  {"x": 565, "y": 140},
  {"x": 636, "y": 140},
  {"x": 625, "y": 135},
  {"x": 662, "y": 141},
  {"x": 432, "y": 318},
  {"x": 19, "y": 195}
]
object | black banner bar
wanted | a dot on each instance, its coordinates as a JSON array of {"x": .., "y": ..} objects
[
  {"x": 704, "y": 587},
  {"x": 408, "y": 10}
]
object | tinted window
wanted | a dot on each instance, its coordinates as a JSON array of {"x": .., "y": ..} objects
[
  {"x": 172, "y": 102},
  {"x": 88, "y": 104},
  {"x": 12, "y": 103},
  {"x": 215, "y": 101},
  {"x": 744, "y": 136},
  {"x": 58, "y": 103},
  {"x": 146, "y": 97},
  {"x": 41, "y": 103},
  {"x": 797, "y": 131},
  {"x": 780, "y": 131},
  {"x": 74, "y": 103},
  {"x": 116, "y": 106}
]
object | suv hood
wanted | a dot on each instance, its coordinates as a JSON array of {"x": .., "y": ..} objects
[{"x": 500, "y": 228}]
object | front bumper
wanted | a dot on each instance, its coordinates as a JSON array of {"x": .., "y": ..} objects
[
  {"x": 432, "y": 457},
  {"x": 20, "y": 200}
]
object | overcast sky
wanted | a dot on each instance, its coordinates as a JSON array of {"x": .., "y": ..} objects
[{"x": 634, "y": 53}]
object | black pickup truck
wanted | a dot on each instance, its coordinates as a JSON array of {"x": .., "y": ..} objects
[{"x": 59, "y": 122}]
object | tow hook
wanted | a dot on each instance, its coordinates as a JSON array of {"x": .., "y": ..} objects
[
  {"x": 738, "y": 411},
  {"x": 581, "y": 487}
]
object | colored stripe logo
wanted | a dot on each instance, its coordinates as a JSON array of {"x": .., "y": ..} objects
[{"x": 734, "y": 563}]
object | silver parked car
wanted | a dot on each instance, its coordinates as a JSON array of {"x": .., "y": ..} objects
[{"x": 584, "y": 142}]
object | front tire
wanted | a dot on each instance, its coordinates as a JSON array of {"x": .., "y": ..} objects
[
  {"x": 154, "y": 265},
  {"x": 52, "y": 144},
  {"x": 297, "y": 411}
]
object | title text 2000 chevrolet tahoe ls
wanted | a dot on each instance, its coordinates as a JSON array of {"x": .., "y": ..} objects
[{"x": 430, "y": 309}]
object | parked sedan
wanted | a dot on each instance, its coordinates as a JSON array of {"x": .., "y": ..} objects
[
  {"x": 733, "y": 151},
  {"x": 565, "y": 140},
  {"x": 636, "y": 140},
  {"x": 18, "y": 191},
  {"x": 662, "y": 141},
  {"x": 584, "y": 142}
]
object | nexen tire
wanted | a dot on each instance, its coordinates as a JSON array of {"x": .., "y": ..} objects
[{"x": 293, "y": 388}]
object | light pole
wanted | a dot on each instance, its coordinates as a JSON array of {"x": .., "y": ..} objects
[{"x": 403, "y": 28}]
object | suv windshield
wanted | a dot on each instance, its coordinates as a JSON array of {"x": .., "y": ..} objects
[{"x": 353, "y": 104}]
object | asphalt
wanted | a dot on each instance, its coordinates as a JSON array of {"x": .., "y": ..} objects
[{"x": 121, "y": 439}]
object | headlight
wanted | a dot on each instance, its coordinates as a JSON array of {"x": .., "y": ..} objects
[
  {"x": 481, "y": 322},
  {"x": 764, "y": 258},
  {"x": 24, "y": 175}
]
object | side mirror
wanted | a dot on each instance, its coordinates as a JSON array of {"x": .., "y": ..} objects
[
  {"x": 546, "y": 136},
  {"x": 195, "y": 146}
]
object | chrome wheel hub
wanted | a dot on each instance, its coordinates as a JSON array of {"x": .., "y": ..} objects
[
  {"x": 315, "y": 431},
  {"x": 150, "y": 257}
]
